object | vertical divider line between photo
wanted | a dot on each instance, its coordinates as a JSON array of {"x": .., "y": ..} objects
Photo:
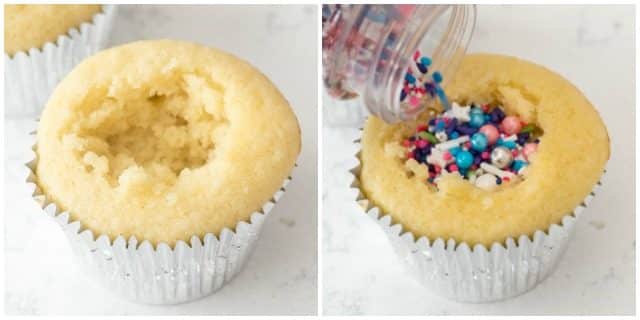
[
  {"x": 319, "y": 162},
  {"x": 637, "y": 146}
]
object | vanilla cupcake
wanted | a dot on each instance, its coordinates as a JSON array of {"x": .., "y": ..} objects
[
  {"x": 173, "y": 145},
  {"x": 42, "y": 43},
  {"x": 481, "y": 200}
]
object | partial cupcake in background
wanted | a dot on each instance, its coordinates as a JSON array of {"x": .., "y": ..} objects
[
  {"x": 42, "y": 44},
  {"x": 482, "y": 227},
  {"x": 161, "y": 159}
]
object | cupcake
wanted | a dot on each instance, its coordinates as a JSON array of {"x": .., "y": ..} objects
[
  {"x": 162, "y": 159},
  {"x": 42, "y": 43},
  {"x": 480, "y": 200}
]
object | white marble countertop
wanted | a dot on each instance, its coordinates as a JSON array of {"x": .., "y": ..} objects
[
  {"x": 593, "y": 47},
  {"x": 281, "y": 276}
]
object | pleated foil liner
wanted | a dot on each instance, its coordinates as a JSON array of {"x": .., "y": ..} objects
[
  {"x": 30, "y": 76},
  {"x": 137, "y": 271},
  {"x": 474, "y": 274}
]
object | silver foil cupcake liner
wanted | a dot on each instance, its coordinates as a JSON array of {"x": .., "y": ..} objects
[
  {"x": 30, "y": 76},
  {"x": 476, "y": 274},
  {"x": 138, "y": 271}
]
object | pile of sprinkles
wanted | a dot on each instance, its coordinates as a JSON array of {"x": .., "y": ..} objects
[
  {"x": 420, "y": 84},
  {"x": 480, "y": 143}
]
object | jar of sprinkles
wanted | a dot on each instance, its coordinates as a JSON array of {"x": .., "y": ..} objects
[{"x": 396, "y": 58}]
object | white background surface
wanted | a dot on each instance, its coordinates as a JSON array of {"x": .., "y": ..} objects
[
  {"x": 281, "y": 276},
  {"x": 593, "y": 47}
]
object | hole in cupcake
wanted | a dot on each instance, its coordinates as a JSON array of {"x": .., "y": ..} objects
[
  {"x": 480, "y": 143},
  {"x": 156, "y": 98},
  {"x": 146, "y": 135}
]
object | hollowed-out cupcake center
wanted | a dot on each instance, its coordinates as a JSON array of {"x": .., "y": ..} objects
[{"x": 152, "y": 132}]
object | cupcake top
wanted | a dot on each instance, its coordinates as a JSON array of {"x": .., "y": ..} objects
[
  {"x": 164, "y": 140},
  {"x": 571, "y": 150},
  {"x": 31, "y": 26}
]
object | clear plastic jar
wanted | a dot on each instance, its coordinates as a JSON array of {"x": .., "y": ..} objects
[{"x": 367, "y": 49}]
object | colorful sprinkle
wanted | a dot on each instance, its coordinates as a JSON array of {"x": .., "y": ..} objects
[
  {"x": 479, "y": 141},
  {"x": 511, "y": 125},
  {"x": 529, "y": 149},
  {"x": 420, "y": 85},
  {"x": 477, "y": 120},
  {"x": 491, "y": 132},
  {"x": 437, "y": 77},
  {"x": 501, "y": 157},
  {"x": 487, "y": 181},
  {"x": 428, "y": 136},
  {"x": 410, "y": 78},
  {"x": 518, "y": 164},
  {"x": 464, "y": 159},
  {"x": 422, "y": 143}
]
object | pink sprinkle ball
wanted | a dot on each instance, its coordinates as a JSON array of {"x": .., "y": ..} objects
[
  {"x": 485, "y": 155},
  {"x": 422, "y": 143},
  {"x": 406, "y": 143},
  {"x": 447, "y": 156},
  {"x": 413, "y": 100},
  {"x": 511, "y": 125},
  {"x": 410, "y": 155},
  {"x": 491, "y": 132},
  {"x": 529, "y": 149}
]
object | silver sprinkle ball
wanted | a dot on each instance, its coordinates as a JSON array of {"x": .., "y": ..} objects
[{"x": 501, "y": 157}]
